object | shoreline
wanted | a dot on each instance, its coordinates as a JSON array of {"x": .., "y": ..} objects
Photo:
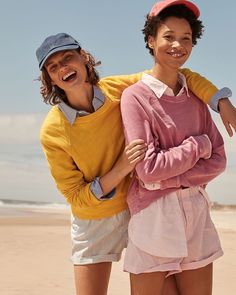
[{"x": 26, "y": 215}]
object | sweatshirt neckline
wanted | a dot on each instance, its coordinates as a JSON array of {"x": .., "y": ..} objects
[{"x": 174, "y": 99}]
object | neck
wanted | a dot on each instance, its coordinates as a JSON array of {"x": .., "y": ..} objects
[
  {"x": 167, "y": 76},
  {"x": 81, "y": 98}
]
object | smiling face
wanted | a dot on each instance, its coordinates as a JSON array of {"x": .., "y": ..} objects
[
  {"x": 172, "y": 44},
  {"x": 67, "y": 69}
]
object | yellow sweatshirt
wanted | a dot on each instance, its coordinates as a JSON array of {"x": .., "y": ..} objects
[{"x": 94, "y": 143}]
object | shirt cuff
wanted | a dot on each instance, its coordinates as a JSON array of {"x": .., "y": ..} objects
[
  {"x": 97, "y": 190},
  {"x": 222, "y": 93}
]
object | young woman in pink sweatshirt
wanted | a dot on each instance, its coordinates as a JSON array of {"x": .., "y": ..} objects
[{"x": 170, "y": 231}]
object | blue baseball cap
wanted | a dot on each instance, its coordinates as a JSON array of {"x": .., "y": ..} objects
[{"x": 53, "y": 44}]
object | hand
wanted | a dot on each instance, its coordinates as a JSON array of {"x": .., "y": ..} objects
[
  {"x": 228, "y": 115},
  {"x": 133, "y": 153}
]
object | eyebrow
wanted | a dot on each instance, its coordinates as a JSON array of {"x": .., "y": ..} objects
[
  {"x": 170, "y": 31},
  {"x": 50, "y": 63},
  {"x": 47, "y": 64}
]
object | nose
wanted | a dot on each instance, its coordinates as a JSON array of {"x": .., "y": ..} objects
[
  {"x": 62, "y": 64},
  {"x": 176, "y": 44}
]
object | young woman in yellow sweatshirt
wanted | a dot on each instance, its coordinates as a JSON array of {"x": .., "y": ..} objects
[{"x": 83, "y": 141}]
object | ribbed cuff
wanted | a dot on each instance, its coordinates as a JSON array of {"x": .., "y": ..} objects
[{"x": 205, "y": 146}]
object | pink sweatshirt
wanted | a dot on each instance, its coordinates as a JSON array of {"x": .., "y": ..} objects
[{"x": 179, "y": 152}]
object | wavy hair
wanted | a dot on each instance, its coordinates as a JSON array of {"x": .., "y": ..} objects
[{"x": 53, "y": 94}]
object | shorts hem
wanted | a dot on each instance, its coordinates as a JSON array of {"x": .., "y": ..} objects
[
  {"x": 174, "y": 268},
  {"x": 95, "y": 259},
  {"x": 159, "y": 268},
  {"x": 201, "y": 263}
]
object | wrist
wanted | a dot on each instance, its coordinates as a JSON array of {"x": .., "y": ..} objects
[{"x": 223, "y": 101}]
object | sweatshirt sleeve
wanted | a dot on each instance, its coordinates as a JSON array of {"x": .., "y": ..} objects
[
  {"x": 199, "y": 85},
  {"x": 69, "y": 179},
  {"x": 113, "y": 86},
  {"x": 159, "y": 164},
  {"x": 205, "y": 170}
]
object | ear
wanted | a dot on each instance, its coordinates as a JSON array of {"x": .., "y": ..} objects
[{"x": 151, "y": 41}]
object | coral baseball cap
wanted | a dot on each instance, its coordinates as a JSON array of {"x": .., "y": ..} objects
[
  {"x": 53, "y": 44},
  {"x": 159, "y": 6}
]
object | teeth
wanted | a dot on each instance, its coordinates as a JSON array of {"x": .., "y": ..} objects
[
  {"x": 68, "y": 75},
  {"x": 175, "y": 54}
]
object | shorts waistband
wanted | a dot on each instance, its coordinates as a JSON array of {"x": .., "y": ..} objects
[{"x": 188, "y": 191}]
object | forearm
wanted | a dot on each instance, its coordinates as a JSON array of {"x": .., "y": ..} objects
[
  {"x": 110, "y": 180},
  {"x": 202, "y": 173},
  {"x": 133, "y": 153},
  {"x": 162, "y": 165},
  {"x": 228, "y": 115},
  {"x": 205, "y": 169}
]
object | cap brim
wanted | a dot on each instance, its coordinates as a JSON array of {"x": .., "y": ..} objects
[{"x": 57, "y": 49}]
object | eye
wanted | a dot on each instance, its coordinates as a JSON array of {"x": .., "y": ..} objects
[
  {"x": 52, "y": 68},
  {"x": 169, "y": 37},
  {"x": 68, "y": 57}
]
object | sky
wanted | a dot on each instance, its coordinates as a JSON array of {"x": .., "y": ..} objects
[{"x": 111, "y": 32}]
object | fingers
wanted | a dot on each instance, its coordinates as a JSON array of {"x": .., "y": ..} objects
[
  {"x": 135, "y": 146},
  {"x": 134, "y": 143},
  {"x": 228, "y": 128},
  {"x": 137, "y": 156},
  {"x": 135, "y": 151},
  {"x": 233, "y": 126}
]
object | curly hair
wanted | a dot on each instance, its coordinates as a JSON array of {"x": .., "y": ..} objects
[
  {"x": 153, "y": 23},
  {"x": 53, "y": 95}
]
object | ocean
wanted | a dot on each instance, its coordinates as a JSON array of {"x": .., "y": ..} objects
[{"x": 25, "y": 179}]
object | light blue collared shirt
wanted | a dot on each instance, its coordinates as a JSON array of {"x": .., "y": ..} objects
[{"x": 71, "y": 115}]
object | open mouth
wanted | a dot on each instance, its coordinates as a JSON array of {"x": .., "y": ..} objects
[
  {"x": 69, "y": 76},
  {"x": 176, "y": 54}
]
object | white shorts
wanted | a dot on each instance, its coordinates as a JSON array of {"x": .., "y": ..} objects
[
  {"x": 175, "y": 233},
  {"x": 100, "y": 240}
]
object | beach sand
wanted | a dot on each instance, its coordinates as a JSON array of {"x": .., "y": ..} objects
[{"x": 35, "y": 254}]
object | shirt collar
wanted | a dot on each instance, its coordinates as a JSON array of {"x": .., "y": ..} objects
[
  {"x": 71, "y": 114},
  {"x": 160, "y": 88}
]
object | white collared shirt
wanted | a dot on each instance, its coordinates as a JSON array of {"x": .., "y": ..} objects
[{"x": 160, "y": 88}]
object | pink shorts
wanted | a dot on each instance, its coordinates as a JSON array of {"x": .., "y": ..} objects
[{"x": 175, "y": 233}]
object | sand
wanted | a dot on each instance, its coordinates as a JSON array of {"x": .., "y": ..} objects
[{"x": 35, "y": 249}]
